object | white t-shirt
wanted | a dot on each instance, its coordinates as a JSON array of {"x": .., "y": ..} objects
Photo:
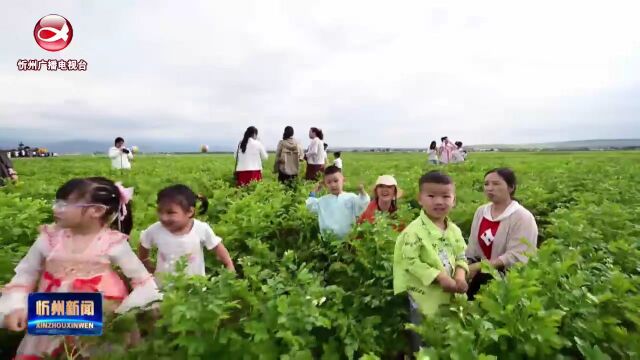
[
  {"x": 119, "y": 160},
  {"x": 172, "y": 247},
  {"x": 338, "y": 162},
  {"x": 433, "y": 154},
  {"x": 252, "y": 158},
  {"x": 457, "y": 156}
]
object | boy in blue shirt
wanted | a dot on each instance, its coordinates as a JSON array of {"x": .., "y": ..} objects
[{"x": 338, "y": 210}]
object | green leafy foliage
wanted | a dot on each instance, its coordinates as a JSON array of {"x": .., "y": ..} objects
[{"x": 302, "y": 296}]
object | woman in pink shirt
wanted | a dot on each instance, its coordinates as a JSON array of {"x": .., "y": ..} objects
[{"x": 446, "y": 150}]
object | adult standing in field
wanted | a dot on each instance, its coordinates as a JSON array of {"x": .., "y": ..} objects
[
  {"x": 120, "y": 156},
  {"x": 316, "y": 155},
  {"x": 289, "y": 154},
  {"x": 446, "y": 150},
  {"x": 6, "y": 168},
  {"x": 249, "y": 157},
  {"x": 459, "y": 154},
  {"x": 503, "y": 231}
]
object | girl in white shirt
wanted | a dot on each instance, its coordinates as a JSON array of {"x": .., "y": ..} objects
[
  {"x": 249, "y": 157},
  {"x": 433, "y": 153},
  {"x": 178, "y": 234},
  {"x": 316, "y": 155}
]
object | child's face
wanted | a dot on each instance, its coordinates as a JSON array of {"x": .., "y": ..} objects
[
  {"x": 437, "y": 199},
  {"x": 385, "y": 192},
  {"x": 496, "y": 189},
  {"x": 173, "y": 217},
  {"x": 75, "y": 213},
  {"x": 334, "y": 183},
  {"x": 311, "y": 134}
]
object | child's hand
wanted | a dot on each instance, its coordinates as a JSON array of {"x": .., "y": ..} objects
[
  {"x": 474, "y": 269},
  {"x": 461, "y": 281},
  {"x": 447, "y": 283},
  {"x": 16, "y": 320},
  {"x": 362, "y": 190},
  {"x": 462, "y": 285},
  {"x": 319, "y": 186}
]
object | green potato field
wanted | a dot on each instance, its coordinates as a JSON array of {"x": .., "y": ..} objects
[{"x": 297, "y": 296}]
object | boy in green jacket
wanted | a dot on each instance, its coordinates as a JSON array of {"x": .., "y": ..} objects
[{"x": 429, "y": 261}]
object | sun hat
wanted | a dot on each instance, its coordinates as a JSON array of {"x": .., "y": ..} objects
[{"x": 387, "y": 180}]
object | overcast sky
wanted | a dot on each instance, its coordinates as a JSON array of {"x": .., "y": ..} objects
[{"x": 369, "y": 73}]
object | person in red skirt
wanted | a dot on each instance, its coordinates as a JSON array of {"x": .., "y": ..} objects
[
  {"x": 249, "y": 157},
  {"x": 316, "y": 155}
]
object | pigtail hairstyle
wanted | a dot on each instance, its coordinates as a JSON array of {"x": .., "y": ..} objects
[{"x": 183, "y": 196}]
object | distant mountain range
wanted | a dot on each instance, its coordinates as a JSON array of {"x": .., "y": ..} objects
[
  {"x": 90, "y": 146},
  {"x": 567, "y": 145},
  {"x": 562, "y": 145}
]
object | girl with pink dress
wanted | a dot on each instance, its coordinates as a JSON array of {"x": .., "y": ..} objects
[{"x": 78, "y": 254}]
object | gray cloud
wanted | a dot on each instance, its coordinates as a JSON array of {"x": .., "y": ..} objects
[{"x": 368, "y": 73}]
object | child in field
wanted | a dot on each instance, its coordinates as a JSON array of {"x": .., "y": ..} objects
[
  {"x": 78, "y": 254},
  {"x": 337, "y": 211},
  {"x": 429, "y": 260},
  {"x": 433, "y": 153},
  {"x": 337, "y": 161},
  {"x": 178, "y": 234},
  {"x": 385, "y": 196}
]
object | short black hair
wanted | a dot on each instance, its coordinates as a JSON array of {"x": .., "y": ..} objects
[
  {"x": 435, "y": 177},
  {"x": 118, "y": 139},
  {"x": 330, "y": 170},
  {"x": 183, "y": 196},
  {"x": 337, "y": 154},
  {"x": 444, "y": 138}
]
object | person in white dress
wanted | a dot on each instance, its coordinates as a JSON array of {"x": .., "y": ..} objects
[{"x": 249, "y": 157}]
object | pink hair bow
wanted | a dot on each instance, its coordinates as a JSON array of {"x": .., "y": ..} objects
[{"x": 125, "y": 196}]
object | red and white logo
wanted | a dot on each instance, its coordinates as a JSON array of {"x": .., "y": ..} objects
[
  {"x": 487, "y": 237},
  {"x": 53, "y": 32}
]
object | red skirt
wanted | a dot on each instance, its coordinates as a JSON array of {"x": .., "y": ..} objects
[
  {"x": 314, "y": 171},
  {"x": 245, "y": 177}
]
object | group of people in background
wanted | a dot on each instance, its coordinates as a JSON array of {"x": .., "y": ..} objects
[
  {"x": 448, "y": 152},
  {"x": 251, "y": 153}
]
